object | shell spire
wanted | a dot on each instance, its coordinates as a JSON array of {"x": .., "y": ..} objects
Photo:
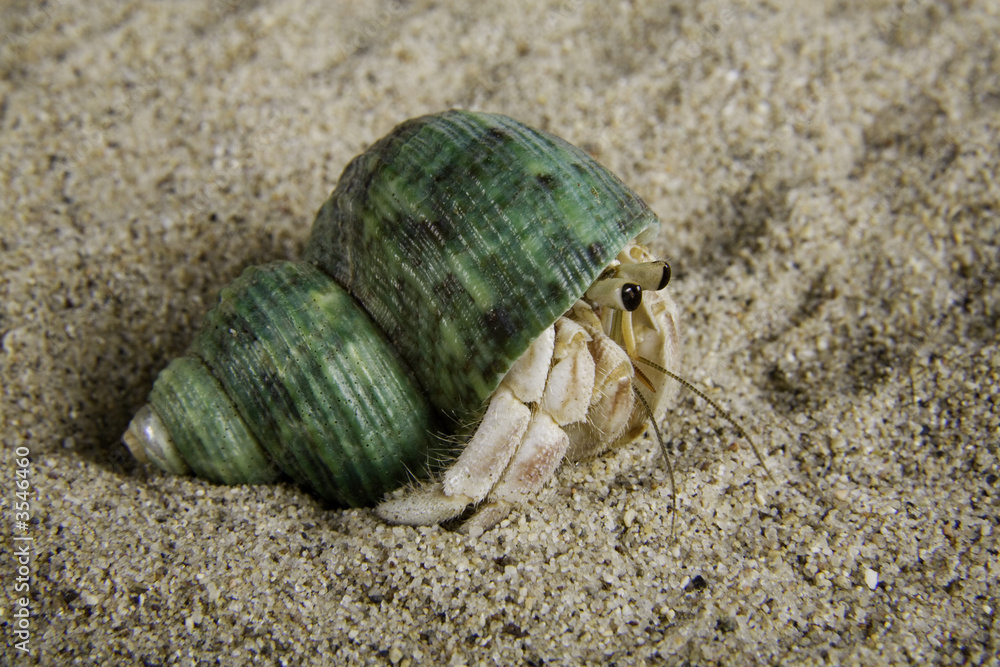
[{"x": 288, "y": 376}]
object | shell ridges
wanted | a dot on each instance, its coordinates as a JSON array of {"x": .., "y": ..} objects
[{"x": 464, "y": 235}]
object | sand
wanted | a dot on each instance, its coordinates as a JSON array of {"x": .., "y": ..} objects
[{"x": 826, "y": 175}]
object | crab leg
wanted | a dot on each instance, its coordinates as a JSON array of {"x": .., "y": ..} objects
[
  {"x": 488, "y": 452},
  {"x": 566, "y": 400},
  {"x": 612, "y": 402},
  {"x": 475, "y": 472},
  {"x": 537, "y": 458}
]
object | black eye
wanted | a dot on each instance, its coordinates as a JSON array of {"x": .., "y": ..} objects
[
  {"x": 666, "y": 276},
  {"x": 631, "y": 296}
]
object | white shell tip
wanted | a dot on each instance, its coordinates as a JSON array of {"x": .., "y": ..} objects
[{"x": 150, "y": 442}]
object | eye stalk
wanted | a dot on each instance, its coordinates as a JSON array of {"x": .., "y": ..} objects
[
  {"x": 621, "y": 287},
  {"x": 652, "y": 276},
  {"x": 617, "y": 293}
]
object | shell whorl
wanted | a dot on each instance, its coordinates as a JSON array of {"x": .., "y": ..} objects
[
  {"x": 464, "y": 235},
  {"x": 288, "y": 375}
]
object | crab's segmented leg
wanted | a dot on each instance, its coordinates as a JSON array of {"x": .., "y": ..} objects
[
  {"x": 515, "y": 449},
  {"x": 566, "y": 400},
  {"x": 488, "y": 453},
  {"x": 538, "y": 456},
  {"x": 612, "y": 403},
  {"x": 476, "y": 471}
]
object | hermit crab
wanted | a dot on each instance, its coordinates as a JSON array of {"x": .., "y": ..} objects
[{"x": 470, "y": 280}]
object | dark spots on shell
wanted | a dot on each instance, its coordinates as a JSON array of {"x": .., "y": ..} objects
[
  {"x": 497, "y": 135},
  {"x": 493, "y": 162},
  {"x": 554, "y": 291},
  {"x": 596, "y": 252},
  {"x": 446, "y": 173},
  {"x": 411, "y": 241},
  {"x": 448, "y": 290},
  {"x": 501, "y": 281},
  {"x": 387, "y": 149},
  {"x": 278, "y": 394},
  {"x": 547, "y": 181},
  {"x": 498, "y": 367},
  {"x": 437, "y": 232},
  {"x": 420, "y": 238},
  {"x": 492, "y": 266},
  {"x": 500, "y": 323}
]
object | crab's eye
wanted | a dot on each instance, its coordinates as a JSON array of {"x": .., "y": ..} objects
[
  {"x": 631, "y": 296},
  {"x": 665, "y": 278}
]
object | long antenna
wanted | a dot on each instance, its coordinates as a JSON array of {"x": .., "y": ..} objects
[
  {"x": 666, "y": 457},
  {"x": 725, "y": 415}
]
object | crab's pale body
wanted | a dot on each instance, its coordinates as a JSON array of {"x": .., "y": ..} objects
[{"x": 571, "y": 395}]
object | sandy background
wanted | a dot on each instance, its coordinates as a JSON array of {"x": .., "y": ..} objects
[{"x": 826, "y": 174}]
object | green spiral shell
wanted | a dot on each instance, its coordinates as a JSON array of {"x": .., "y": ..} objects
[
  {"x": 443, "y": 252},
  {"x": 289, "y": 375},
  {"x": 464, "y": 235}
]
